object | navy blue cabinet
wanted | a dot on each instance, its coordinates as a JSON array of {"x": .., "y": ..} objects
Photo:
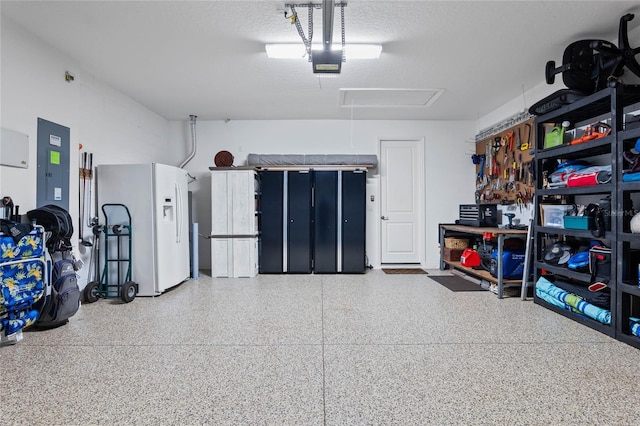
[
  {"x": 313, "y": 221},
  {"x": 270, "y": 223},
  {"x": 299, "y": 218},
  {"x": 325, "y": 247},
  {"x": 354, "y": 187}
]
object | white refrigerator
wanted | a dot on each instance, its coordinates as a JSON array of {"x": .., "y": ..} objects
[{"x": 157, "y": 199}]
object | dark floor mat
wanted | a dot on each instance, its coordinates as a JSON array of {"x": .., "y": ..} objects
[
  {"x": 404, "y": 271},
  {"x": 455, "y": 283}
]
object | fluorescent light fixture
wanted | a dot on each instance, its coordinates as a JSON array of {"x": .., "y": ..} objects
[{"x": 297, "y": 51}]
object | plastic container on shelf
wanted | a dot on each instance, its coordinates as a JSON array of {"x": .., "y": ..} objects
[
  {"x": 578, "y": 222},
  {"x": 552, "y": 215},
  {"x": 554, "y": 138}
]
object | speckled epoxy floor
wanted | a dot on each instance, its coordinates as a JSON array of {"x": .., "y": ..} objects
[{"x": 318, "y": 349}]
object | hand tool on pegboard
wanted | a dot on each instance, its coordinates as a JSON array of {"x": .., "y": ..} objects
[
  {"x": 519, "y": 200},
  {"x": 520, "y": 170},
  {"x": 525, "y": 145}
]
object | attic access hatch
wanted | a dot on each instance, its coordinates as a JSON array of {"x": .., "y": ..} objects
[{"x": 389, "y": 98}]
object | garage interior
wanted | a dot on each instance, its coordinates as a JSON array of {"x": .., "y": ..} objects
[{"x": 324, "y": 339}]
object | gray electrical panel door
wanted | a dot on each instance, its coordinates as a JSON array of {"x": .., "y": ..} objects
[{"x": 53, "y": 164}]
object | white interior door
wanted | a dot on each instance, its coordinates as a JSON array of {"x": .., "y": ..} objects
[{"x": 402, "y": 205}]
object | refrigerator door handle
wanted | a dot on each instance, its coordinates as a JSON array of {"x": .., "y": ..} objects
[{"x": 178, "y": 213}]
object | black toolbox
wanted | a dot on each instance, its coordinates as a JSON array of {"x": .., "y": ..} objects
[{"x": 479, "y": 215}]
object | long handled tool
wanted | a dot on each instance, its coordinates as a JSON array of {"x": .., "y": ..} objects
[
  {"x": 84, "y": 183},
  {"x": 90, "y": 218},
  {"x": 94, "y": 268},
  {"x": 84, "y": 242}
]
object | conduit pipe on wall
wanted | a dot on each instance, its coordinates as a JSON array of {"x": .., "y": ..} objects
[{"x": 192, "y": 120}]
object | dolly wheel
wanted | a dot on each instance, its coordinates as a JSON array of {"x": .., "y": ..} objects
[
  {"x": 128, "y": 291},
  {"x": 90, "y": 292}
]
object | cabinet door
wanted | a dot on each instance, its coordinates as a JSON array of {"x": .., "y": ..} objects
[
  {"x": 299, "y": 243},
  {"x": 233, "y": 203},
  {"x": 271, "y": 222},
  {"x": 242, "y": 194},
  {"x": 325, "y": 208},
  {"x": 354, "y": 185},
  {"x": 220, "y": 196}
]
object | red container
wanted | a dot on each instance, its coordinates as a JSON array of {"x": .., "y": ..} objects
[{"x": 470, "y": 258}]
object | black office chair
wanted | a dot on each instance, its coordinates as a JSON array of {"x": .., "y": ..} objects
[
  {"x": 589, "y": 66},
  {"x": 616, "y": 58},
  {"x": 584, "y": 68}
]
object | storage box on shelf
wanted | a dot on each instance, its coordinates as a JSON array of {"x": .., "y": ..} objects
[
  {"x": 578, "y": 222},
  {"x": 452, "y": 254},
  {"x": 552, "y": 215},
  {"x": 602, "y": 110},
  {"x": 456, "y": 243}
]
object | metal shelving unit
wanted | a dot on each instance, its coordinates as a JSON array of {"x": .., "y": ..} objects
[
  {"x": 607, "y": 104},
  {"x": 627, "y": 246}
]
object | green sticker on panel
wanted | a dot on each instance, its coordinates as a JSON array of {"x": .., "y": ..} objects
[{"x": 54, "y": 158}]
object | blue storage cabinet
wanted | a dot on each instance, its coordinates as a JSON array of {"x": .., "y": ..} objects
[
  {"x": 299, "y": 211},
  {"x": 312, "y": 221},
  {"x": 326, "y": 222},
  {"x": 353, "y": 223},
  {"x": 271, "y": 219}
]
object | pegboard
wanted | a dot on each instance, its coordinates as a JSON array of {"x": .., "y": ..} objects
[{"x": 504, "y": 166}]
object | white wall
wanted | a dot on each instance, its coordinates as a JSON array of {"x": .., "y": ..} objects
[
  {"x": 448, "y": 146},
  {"x": 520, "y": 103},
  {"x": 107, "y": 123},
  {"x": 533, "y": 94},
  {"x": 116, "y": 129}
]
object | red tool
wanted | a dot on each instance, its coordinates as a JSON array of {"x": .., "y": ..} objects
[{"x": 593, "y": 131}]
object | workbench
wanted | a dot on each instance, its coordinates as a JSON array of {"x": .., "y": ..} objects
[{"x": 449, "y": 230}]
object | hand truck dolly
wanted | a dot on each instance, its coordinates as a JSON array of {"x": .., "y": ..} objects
[{"x": 115, "y": 280}]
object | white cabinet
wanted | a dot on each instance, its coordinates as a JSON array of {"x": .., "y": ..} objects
[
  {"x": 233, "y": 202},
  {"x": 234, "y": 257},
  {"x": 234, "y": 227}
]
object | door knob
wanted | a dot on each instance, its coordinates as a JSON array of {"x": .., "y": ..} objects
[{"x": 384, "y": 218}]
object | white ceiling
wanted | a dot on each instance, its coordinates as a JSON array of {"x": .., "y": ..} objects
[{"x": 207, "y": 57}]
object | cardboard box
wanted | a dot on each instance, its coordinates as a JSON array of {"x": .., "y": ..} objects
[{"x": 452, "y": 254}]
